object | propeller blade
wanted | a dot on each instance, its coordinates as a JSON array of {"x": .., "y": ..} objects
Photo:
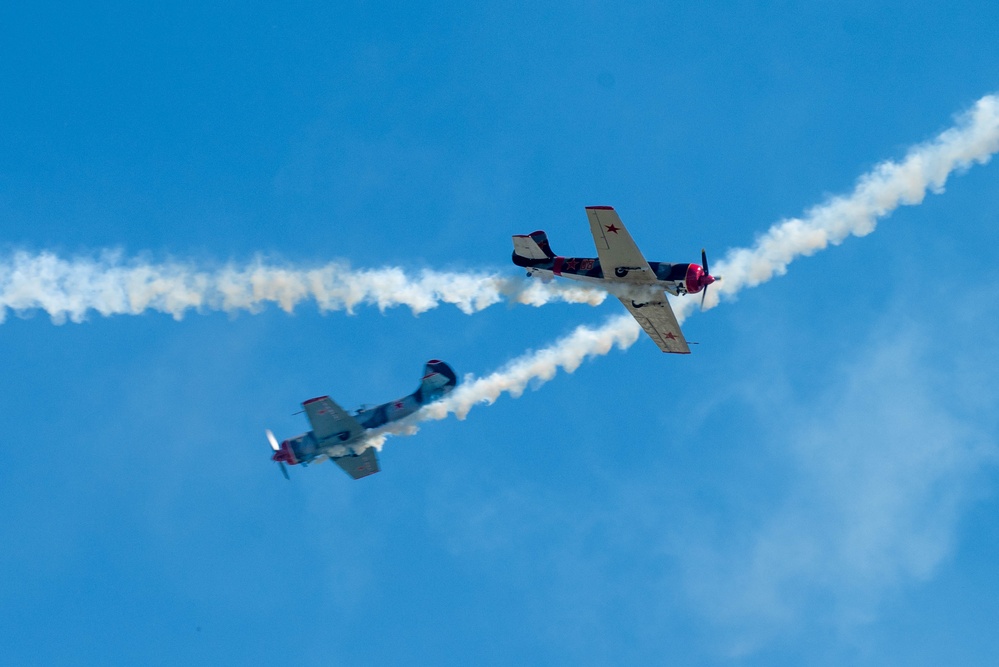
[
  {"x": 704, "y": 262},
  {"x": 276, "y": 447},
  {"x": 704, "y": 294}
]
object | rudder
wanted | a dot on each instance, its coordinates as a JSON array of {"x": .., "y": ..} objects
[
  {"x": 531, "y": 249},
  {"x": 438, "y": 380}
]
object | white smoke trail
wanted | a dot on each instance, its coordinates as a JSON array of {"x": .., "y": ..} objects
[
  {"x": 973, "y": 139},
  {"x": 110, "y": 285},
  {"x": 537, "y": 367}
]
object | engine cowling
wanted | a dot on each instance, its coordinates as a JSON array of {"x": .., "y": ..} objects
[{"x": 696, "y": 279}]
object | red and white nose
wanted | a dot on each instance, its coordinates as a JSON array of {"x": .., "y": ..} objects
[
  {"x": 282, "y": 453},
  {"x": 285, "y": 454},
  {"x": 699, "y": 277},
  {"x": 696, "y": 279}
]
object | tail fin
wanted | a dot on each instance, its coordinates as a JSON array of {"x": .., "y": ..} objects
[
  {"x": 438, "y": 380},
  {"x": 532, "y": 249}
]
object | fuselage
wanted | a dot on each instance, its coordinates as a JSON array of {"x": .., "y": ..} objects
[
  {"x": 438, "y": 380},
  {"x": 306, "y": 447},
  {"x": 676, "y": 279}
]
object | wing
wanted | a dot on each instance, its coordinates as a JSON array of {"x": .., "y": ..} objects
[
  {"x": 362, "y": 465},
  {"x": 329, "y": 419},
  {"x": 657, "y": 318},
  {"x": 620, "y": 258}
]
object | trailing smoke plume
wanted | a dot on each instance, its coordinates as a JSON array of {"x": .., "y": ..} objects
[
  {"x": 70, "y": 289},
  {"x": 973, "y": 139},
  {"x": 537, "y": 367}
]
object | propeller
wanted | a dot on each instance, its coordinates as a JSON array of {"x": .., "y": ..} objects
[
  {"x": 707, "y": 278},
  {"x": 277, "y": 448}
]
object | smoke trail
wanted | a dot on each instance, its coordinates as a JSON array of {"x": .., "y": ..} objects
[
  {"x": 110, "y": 285},
  {"x": 973, "y": 139},
  {"x": 536, "y": 367}
]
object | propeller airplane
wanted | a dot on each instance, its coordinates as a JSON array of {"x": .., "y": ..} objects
[
  {"x": 622, "y": 270},
  {"x": 342, "y": 437}
]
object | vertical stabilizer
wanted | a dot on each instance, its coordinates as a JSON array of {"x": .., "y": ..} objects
[
  {"x": 531, "y": 249},
  {"x": 438, "y": 380}
]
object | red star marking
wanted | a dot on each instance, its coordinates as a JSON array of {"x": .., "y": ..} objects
[
  {"x": 572, "y": 263},
  {"x": 398, "y": 405},
  {"x": 670, "y": 336},
  {"x": 612, "y": 228}
]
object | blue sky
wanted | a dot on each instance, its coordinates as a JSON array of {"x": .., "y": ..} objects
[{"x": 816, "y": 484}]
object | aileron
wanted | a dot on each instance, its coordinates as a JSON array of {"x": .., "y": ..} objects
[{"x": 659, "y": 322}]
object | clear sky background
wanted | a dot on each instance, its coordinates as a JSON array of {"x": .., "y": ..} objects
[{"x": 815, "y": 484}]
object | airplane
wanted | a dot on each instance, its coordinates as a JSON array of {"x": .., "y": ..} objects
[
  {"x": 623, "y": 270},
  {"x": 340, "y": 436}
]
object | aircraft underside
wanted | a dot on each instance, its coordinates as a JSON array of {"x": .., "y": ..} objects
[{"x": 581, "y": 270}]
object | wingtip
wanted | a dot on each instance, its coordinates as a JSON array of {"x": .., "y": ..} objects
[
  {"x": 313, "y": 400},
  {"x": 600, "y": 208}
]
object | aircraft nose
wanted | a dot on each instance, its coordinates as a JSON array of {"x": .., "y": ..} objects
[
  {"x": 282, "y": 453},
  {"x": 694, "y": 279}
]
